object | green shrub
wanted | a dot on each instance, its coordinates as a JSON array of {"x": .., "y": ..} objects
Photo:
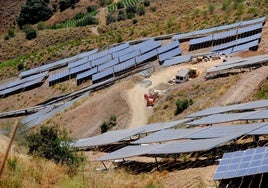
[
  {"x": 54, "y": 144},
  {"x": 211, "y": 8},
  {"x": 20, "y": 66},
  {"x": 121, "y": 15},
  {"x": 11, "y": 32},
  {"x": 182, "y": 105},
  {"x": 134, "y": 21},
  {"x": 6, "y": 37},
  {"x": 104, "y": 127},
  {"x": 130, "y": 15},
  {"x": 141, "y": 10},
  {"x": 79, "y": 15},
  {"x": 30, "y": 32},
  {"x": 41, "y": 25},
  {"x": 146, "y": 3},
  {"x": 110, "y": 19},
  {"x": 92, "y": 8},
  {"x": 87, "y": 21},
  {"x": 153, "y": 9},
  {"x": 120, "y": 5},
  {"x": 131, "y": 9}
]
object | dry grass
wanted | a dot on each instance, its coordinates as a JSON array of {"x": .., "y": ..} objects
[{"x": 203, "y": 93}]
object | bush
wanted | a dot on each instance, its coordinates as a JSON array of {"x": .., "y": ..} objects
[
  {"x": 182, "y": 105},
  {"x": 20, "y": 66},
  {"x": 92, "y": 8},
  {"x": 105, "y": 126},
  {"x": 141, "y": 10},
  {"x": 146, "y": 3},
  {"x": 79, "y": 15},
  {"x": 11, "y": 32},
  {"x": 53, "y": 144},
  {"x": 134, "y": 21},
  {"x": 41, "y": 25},
  {"x": 87, "y": 21},
  {"x": 121, "y": 15},
  {"x": 33, "y": 12},
  {"x": 120, "y": 5},
  {"x": 30, "y": 32},
  {"x": 211, "y": 8},
  {"x": 110, "y": 19},
  {"x": 6, "y": 37},
  {"x": 131, "y": 9},
  {"x": 130, "y": 15},
  {"x": 153, "y": 9}
]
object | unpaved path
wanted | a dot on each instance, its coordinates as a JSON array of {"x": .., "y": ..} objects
[
  {"x": 135, "y": 95},
  {"x": 102, "y": 16},
  {"x": 248, "y": 84}
]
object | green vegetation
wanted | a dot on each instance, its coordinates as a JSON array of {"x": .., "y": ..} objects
[
  {"x": 263, "y": 92},
  {"x": 105, "y": 126},
  {"x": 10, "y": 34},
  {"x": 124, "y": 4},
  {"x": 30, "y": 32},
  {"x": 20, "y": 66},
  {"x": 52, "y": 143},
  {"x": 33, "y": 12},
  {"x": 182, "y": 105},
  {"x": 64, "y": 4}
]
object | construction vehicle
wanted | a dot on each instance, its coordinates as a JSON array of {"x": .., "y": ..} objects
[
  {"x": 149, "y": 98},
  {"x": 183, "y": 75}
]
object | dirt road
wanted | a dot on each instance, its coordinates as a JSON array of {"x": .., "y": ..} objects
[{"x": 135, "y": 99}]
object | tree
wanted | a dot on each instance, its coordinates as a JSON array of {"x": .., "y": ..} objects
[
  {"x": 104, "y": 127},
  {"x": 182, "y": 105},
  {"x": 120, "y": 5},
  {"x": 33, "y": 12},
  {"x": 54, "y": 144},
  {"x": 121, "y": 15},
  {"x": 141, "y": 10},
  {"x": 146, "y": 3}
]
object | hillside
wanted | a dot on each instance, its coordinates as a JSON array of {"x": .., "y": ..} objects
[{"x": 124, "y": 99}]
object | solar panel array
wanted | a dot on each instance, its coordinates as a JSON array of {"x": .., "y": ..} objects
[
  {"x": 242, "y": 163},
  {"x": 235, "y": 107},
  {"x": 248, "y": 62},
  {"x": 169, "y": 54},
  {"x": 177, "y": 60},
  {"x": 22, "y": 84},
  {"x": 198, "y": 33}
]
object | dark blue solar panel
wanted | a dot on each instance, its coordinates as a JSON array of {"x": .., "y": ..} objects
[
  {"x": 169, "y": 54},
  {"x": 122, "y": 52},
  {"x": 246, "y": 46},
  {"x": 80, "y": 68},
  {"x": 242, "y": 163},
  {"x": 150, "y": 46},
  {"x": 58, "y": 76},
  {"x": 183, "y": 36},
  {"x": 249, "y": 28},
  {"x": 98, "y": 55},
  {"x": 254, "y": 21},
  {"x": 78, "y": 63},
  {"x": 225, "y": 34}
]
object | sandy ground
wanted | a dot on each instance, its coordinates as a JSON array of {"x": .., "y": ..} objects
[{"x": 135, "y": 95}]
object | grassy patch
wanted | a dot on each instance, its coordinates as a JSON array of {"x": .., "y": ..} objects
[{"x": 263, "y": 92}]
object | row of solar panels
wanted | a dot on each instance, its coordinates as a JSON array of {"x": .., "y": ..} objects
[
  {"x": 248, "y": 62},
  {"x": 242, "y": 163},
  {"x": 227, "y": 34},
  {"x": 107, "y": 66},
  {"x": 217, "y": 29},
  {"x": 185, "y": 140},
  {"x": 22, "y": 84}
]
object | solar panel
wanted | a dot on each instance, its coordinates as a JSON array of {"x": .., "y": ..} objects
[
  {"x": 226, "y": 27},
  {"x": 201, "y": 40},
  {"x": 259, "y": 114},
  {"x": 261, "y": 131},
  {"x": 78, "y": 63},
  {"x": 242, "y": 163},
  {"x": 125, "y": 65},
  {"x": 254, "y": 21},
  {"x": 220, "y": 118},
  {"x": 122, "y": 52},
  {"x": 223, "y": 46},
  {"x": 59, "y": 76},
  {"x": 167, "y": 135},
  {"x": 169, "y": 54},
  {"x": 87, "y": 74},
  {"x": 98, "y": 55},
  {"x": 146, "y": 56},
  {"x": 163, "y": 125},
  {"x": 119, "y": 47},
  {"x": 226, "y": 130},
  {"x": 126, "y": 152},
  {"x": 249, "y": 28},
  {"x": 80, "y": 69},
  {"x": 110, "y": 63},
  {"x": 109, "y": 137},
  {"x": 177, "y": 60},
  {"x": 129, "y": 56},
  {"x": 225, "y": 34},
  {"x": 205, "y": 31},
  {"x": 183, "y": 36},
  {"x": 165, "y": 48},
  {"x": 150, "y": 46},
  {"x": 103, "y": 74},
  {"x": 245, "y": 47},
  {"x": 187, "y": 146},
  {"x": 101, "y": 60}
]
